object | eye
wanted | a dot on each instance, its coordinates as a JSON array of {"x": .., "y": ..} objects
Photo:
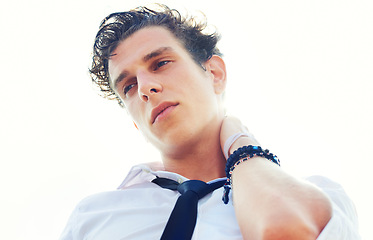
[
  {"x": 160, "y": 64},
  {"x": 128, "y": 87}
]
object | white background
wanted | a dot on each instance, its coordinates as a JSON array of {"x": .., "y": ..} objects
[{"x": 300, "y": 76}]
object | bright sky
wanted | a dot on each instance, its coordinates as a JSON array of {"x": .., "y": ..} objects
[{"x": 300, "y": 77}]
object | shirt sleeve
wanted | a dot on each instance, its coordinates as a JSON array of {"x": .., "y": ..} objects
[
  {"x": 343, "y": 224},
  {"x": 67, "y": 233}
]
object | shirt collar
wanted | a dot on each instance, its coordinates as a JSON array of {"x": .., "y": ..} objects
[{"x": 146, "y": 172}]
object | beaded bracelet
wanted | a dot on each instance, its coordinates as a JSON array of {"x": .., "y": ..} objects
[{"x": 240, "y": 155}]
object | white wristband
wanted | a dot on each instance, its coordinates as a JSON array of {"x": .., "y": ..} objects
[{"x": 231, "y": 140}]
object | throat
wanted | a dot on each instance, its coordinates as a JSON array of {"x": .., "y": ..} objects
[
  {"x": 204, "y": 166},
  {"x": 198, "y": 154}
]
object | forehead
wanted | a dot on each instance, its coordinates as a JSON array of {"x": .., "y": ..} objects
[{"x": 133, "y": 49}]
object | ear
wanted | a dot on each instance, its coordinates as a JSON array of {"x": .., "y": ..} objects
[{"x": 216, "y": 67}]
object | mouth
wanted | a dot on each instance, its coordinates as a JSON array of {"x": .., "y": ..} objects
[{"x": 162, "y": 110}]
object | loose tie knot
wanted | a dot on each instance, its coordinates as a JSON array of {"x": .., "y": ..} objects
[
  {"x": 180, "y": 225},
  {"x": 198, "y": 187}
]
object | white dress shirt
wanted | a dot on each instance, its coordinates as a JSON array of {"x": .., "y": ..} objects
[{"x": 139, "y": 209}]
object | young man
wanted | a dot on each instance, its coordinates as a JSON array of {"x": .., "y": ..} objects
[{"x": 170, "y": 78}]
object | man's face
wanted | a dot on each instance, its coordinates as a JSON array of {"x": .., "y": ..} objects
[{"x": 168, "y": 95}]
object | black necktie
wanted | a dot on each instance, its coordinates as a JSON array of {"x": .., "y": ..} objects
[{"x": 180, "y": 225}]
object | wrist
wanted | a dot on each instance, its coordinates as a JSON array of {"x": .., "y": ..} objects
[
  {"x": 240, "y": 155},
  {"x": 242, "y": 141}
]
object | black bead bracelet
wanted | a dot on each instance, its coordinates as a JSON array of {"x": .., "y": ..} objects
[{"x": 240, "y": 155}]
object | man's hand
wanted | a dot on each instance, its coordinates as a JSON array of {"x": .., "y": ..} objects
[{"x": 229, "y": 128}]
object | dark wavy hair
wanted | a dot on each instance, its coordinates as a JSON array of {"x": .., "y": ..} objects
[{"x": 118, "y": 26}]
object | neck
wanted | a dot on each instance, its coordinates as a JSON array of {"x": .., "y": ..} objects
[{"x": 200, "y": 159}]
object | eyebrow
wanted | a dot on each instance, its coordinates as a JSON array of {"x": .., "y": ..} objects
[
  {"x": 156, "y": 53},
  {"x": 145, "y": 59}
]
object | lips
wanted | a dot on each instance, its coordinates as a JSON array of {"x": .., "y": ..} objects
[{"x": 163, "y": 107}]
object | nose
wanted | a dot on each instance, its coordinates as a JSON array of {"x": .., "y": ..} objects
[{"x": 148, "y": 85}]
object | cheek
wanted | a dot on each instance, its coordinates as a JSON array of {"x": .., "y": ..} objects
[
  {"x": 201, "y": 90},
  {"x": 135, "y": 117},
  {"x": 135, "y": 111}
]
